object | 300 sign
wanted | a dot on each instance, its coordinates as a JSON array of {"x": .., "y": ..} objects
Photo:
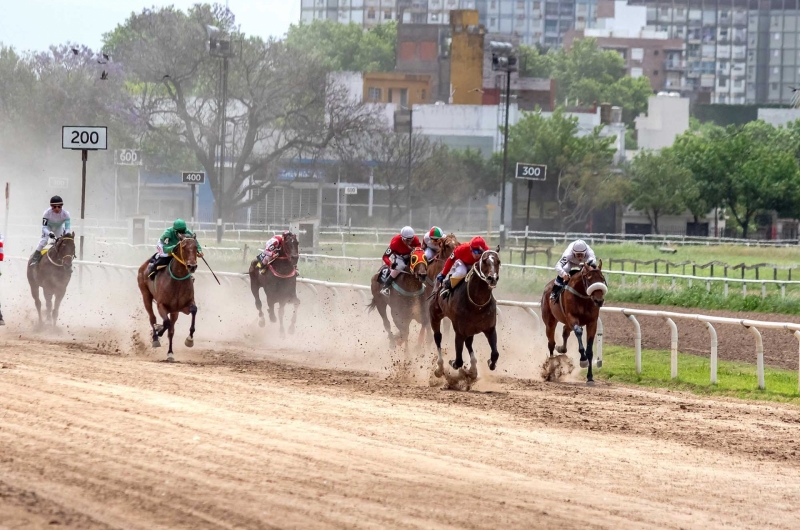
[
  {"x": 531, "y": 171},
  {"x": 193, "y": 177},
  {"x": 89, "y": 138}
]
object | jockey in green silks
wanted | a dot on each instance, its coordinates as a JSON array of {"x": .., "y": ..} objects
[{"x": 170, "y": 239}]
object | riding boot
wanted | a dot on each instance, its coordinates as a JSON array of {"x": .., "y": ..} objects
[
  {"x": 386, "y": 284},
  {"x": 556, "y": 291},
  {"x": 36, "y": 257},
  {"x": 447, "y": 288}
]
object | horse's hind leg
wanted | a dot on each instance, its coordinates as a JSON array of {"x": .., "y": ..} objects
[
  {"x": 271, "y": 309},
  {"x": 380, "y": 305},
  {"x": 491, "y": 336},
  {"x": 564, "y": 335},
  {"x": 473, "y": 363},
  {"x": 190, "y": 339},
  {"x": 35, "y": 295},
  {"x": 436, "y": 322},
  {"x": 579, "y": 335},
  {"x": 59, "y": 296},
  {"x": 591, "y": 331},
  {"x": 166, "y": 327},
  {"x": 173, "y": 317},
  {"x": 459, "y": 360},
  {"x": 294, "y": 318}
]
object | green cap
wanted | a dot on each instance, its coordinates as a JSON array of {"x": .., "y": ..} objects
[{"x": 179, "y": 225}]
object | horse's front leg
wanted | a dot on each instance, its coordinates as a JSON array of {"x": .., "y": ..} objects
[
  {"x": 48, "y": 300},
  {"x": 37, "y": 301},
  {"x": 166, "y": 326},
  {"x": 491, "y": 337},
  {"x": 473, "y": 363},
  {"x": 255, "y": 287},
  {"x": 173, "y": 318},
  {"x": 294, "y": 317},
  {"x": 579, "y": 335},
  {"x": 458, "y": 362},
  {"x": 189, "y": 342},
  {"x": 59, "y": 296},
  {"x": 271, "y": 309},
  {"x": 591, "y": 331}
]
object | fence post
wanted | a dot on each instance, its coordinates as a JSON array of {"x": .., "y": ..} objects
[
  {"x": 797, "y": 336},
  {"x": 673, "y": 349},
  {"x": 744, "y": 289},
  {"x": 783, "y": 290},
  {"x": 637, "y": 342},
  {"x": 726, "y": 288},
  {"x": 713, "y": 334},
  {"x": 763, "y": 290},
  {"x": 759, "y": 356},
  {"x": 599, "y": 342}
]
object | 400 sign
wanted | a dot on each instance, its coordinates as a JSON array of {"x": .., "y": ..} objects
[{"x": 193, "y": 177}]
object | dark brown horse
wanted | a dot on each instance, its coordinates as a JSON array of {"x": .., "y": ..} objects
[
  {"x": 279, "y": 281},
  {"x": 578, "y": 306},
  {"x": 172, "y": 289},
  {"x": 472, "y": 309},
  {"x": 52, "y": 274},
  {"x": 406, "y": 299}
]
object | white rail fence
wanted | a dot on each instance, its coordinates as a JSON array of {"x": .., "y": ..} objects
[{"x": 670, "y": 318}]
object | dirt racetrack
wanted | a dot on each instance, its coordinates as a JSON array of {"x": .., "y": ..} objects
[
  {"x": 329, "y": 429},
  {"x": 92, "y": 440}
]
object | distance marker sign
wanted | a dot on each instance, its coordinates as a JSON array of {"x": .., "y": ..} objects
[
  {"x": 88, "y": 138},
  {"x": 193, "y": 177},
  {"x": 531, "y": 171}
]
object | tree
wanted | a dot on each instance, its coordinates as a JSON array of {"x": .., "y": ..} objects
[
  {"x": 654, "y": 180},
  {"x": 535, "y": 61},
  {"x": 581, "y": 166},
  {"x": 281, "y": 102},
  {"x": 345, "y": 47}
]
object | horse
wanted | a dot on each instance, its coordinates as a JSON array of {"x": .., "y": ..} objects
[
  {"x": 472, "y": 309},
  {"x": 406, "y": 298},
  {"x": 279, "y": 282},
  {"x": 173, "y": 292},
  {"x": 446, "y": 247},
  {"x": 578, "y": 306},
  {"x": 52, "y": 275}
]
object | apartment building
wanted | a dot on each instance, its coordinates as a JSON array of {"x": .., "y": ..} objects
[{"x": 369, "y": 13}]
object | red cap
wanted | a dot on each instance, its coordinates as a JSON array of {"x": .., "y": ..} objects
[{"x": 478, "y": 243}]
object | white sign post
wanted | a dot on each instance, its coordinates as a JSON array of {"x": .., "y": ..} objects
[
  {"x": 84, "y": 139},
  {"x": 126, "y": 157},
  {"x": 529, "y": 172}
]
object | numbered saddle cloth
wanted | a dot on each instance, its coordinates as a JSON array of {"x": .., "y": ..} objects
[
  {"x": 260, "y": 261},
  {"x": 383, "y": 274}
]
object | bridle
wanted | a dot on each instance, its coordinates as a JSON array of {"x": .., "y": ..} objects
[
  {"x": 180, "y": 259},
  {"x": 50, "y": 259},
  {"x": 477, "y": 271}
]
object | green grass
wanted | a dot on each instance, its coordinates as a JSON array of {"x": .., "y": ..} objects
[
  {"x": 699, "y": 298},
  {"x": 734, "y": 379}
]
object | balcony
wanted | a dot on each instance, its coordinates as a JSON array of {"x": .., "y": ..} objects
[{"x": 675, "y": 65}]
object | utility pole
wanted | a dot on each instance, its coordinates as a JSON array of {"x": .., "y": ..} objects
[
  {"x": 504, "y": 60},
  {"x": 219, "y": 45},
  {"x": 408, "y": 184}
]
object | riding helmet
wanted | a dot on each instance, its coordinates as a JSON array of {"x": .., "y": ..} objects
[
  {"x": 407, "y": 232},
  {"x": 478, "y": 243},
  {"x": 56, "y": 200},
  {"x": 179, "y": 225},
  {"x": 435, "y": 233}
]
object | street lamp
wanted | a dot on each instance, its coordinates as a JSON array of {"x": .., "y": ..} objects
[
  {"x": 399, "y": 127},
  {"x": 504, "y": 60},
  {"x": 219, "y": 46}
]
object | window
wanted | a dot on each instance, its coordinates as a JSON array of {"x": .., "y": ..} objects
[
  {"x": 655, "y": 53},
  {"x": 371, "y": 14},
  {"x": 374, "y": 94},
  {"x": 521, "y": 5},
  {"x": 537, "y": 5},
  {"x": 737, "y": 83},
  {"x": 774, "y": 86},
  {"x": 775, "y": 53},
  {"x": 679, "y": 12},
  {"x": 655, "y": 72},
  {"x": 493, "y": 4},
  {"x": 423, "y": 95},
  {"x": 637, "y": 54},
  {"x": 776, "y": 70},
  {"x": 434, "y": 17},
  {"x": 636, "y": 72},
  {"x": 723, "y": 83},
  {"x": 776, "y": 36},
  {"x": 387, "y": 15},
  {"x": 492, "y": 22}
]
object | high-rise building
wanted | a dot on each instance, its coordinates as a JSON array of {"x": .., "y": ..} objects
[{"x": 370, "y": 13}]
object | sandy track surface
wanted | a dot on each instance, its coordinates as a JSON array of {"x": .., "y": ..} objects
[{"x": 91, "y": 440}]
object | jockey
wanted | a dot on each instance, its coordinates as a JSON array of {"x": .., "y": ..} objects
[
  {"x": 577, "y": 252},
  {"x": 170, "y": 239},
  {"x": 55, "y": 223},
  {"x": 398, "y": 255},
  {"x": 430, "y": 242},
  {"x": 457, "y": 265},
  {"x": 271, "y": 250}
]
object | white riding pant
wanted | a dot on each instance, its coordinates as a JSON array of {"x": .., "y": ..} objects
[
  {"x": 458, "y": 270},
  {"x": 400, "y": 265},
  {"x": 45, "y": 239},
  {"x": 430, "y": 253},
  {"x": 160, "y": 249},
  {"x": 269, "y": 256}
]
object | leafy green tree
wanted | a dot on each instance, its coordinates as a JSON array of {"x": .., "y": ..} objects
[
  {"x": 345, "y": 47},
  {"x": 581, "y": 166},
  {"x": 654, "y": 180}
]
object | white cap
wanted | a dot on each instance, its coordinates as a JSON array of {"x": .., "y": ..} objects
[
  {"x": 407, "y": 232},
  {"x": 579, "y": 246}
]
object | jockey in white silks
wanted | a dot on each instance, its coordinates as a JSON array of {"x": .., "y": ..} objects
[
  {"x": 55, "y": 223},
  {"x": 577, "y": 253},
  {"x": 430, "y": 242}
]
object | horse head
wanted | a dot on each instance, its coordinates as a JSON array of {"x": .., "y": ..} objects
[
  {"x": 594, "y": 282},
  {"x": 419, "y": 265},
  {"x": 489, "y": 267},
  {"x": 291, "y": 247},
  {"x": 187, "y": 252},
  {"x": 447, "y": 245},
  {"x": 63, "y": 251}
]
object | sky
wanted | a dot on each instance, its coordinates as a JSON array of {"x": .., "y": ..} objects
[{"x": 37, "y": 24}]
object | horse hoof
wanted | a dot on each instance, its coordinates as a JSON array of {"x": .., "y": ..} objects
[
  {"x": 189, "y": 342},
  {"x": 170, "y": 358},
  {"x": 273, "y": 319},
  {"x": 584, "y": 364},
  {"x": 492, "y": 365},
  {"x": 261, "y": 322},
  {"x": 2, "y": 322},
  {"x": 438, "y": 373},
  {"x": 561, "y": 350},
  {"x": 590, "y": 382},
  {"x": 156, "y": 344},
  {"x": 599, "y": 363},
  {"x": 453, "y": 364}
]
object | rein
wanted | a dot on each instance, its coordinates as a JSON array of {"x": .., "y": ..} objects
[
  {"x": 180, "y": 260},
  {"x": 50, "y": 259},
  {"x": 476, "y": 271}
]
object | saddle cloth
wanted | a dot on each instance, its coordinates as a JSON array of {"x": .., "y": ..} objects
[{"x": 383, "y": 274}]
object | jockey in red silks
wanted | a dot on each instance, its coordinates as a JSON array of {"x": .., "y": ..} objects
[
  {"x": 271, "y": 250},
  {"x": 458, "y": 264},
  {"x": 398, "y": 255}
]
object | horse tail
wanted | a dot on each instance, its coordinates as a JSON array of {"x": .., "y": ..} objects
[{"x": 371, "y": 306}]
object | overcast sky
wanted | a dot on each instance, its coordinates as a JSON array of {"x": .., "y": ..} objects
[{"x": 36, "y": 24}]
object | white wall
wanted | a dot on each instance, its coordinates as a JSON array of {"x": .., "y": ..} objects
[
  {"x": 627, "y": 19},
  {"x": 666, "y": 118},
  {"x": 778, "y": 117}
]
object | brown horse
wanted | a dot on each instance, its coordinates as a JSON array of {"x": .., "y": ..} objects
[
  {"x": 52, "y": 273},
  {"x": 173, "y": 292},
  {"x": 472, "y": 309},
  {"x": 279, "y": 282},
  {"x": 446, "y": 247},
  {"x": 406, "y": 298},
  {"x": 578, "y": 305}
]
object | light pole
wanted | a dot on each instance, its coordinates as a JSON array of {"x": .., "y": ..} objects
[
  {"x": 219, "y": 45},
  {"x": 399, "y": 127},
  {"x": 504, "y": 60}
]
